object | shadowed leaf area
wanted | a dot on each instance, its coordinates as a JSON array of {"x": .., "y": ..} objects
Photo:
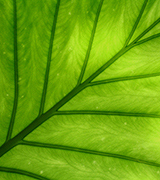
[{"x": 79, "y": 90}]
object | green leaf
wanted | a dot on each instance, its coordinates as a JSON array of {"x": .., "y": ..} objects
[{"x": 79, "y": 90}]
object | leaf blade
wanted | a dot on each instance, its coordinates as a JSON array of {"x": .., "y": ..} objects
[{"x": 114, "y": 111}]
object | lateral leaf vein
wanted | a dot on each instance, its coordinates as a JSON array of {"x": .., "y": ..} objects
[
  {"x": 90, "y": 44},
  {"x": 89, "y": 151},
  {"x": 16, "y": 86},
  {"x": 43, "y": 98},
  {"x": 22, "y": 172}
]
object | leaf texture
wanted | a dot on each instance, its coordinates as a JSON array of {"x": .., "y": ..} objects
[{"x": 79, "y": 90}]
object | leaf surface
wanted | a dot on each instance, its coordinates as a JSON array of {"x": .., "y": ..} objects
[{"x": 79, "y": 90}]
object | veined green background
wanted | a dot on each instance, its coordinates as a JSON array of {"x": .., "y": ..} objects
[{"x": 91, "y": 69}]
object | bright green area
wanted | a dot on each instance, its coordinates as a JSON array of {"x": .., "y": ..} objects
[{"x": 79, "y": 90}]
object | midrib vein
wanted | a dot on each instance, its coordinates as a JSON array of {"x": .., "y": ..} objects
[
  {"x": 43, "y": 98},
  {"x": 89, "y": 151},
  {"x": 16, "y": 87},
  {"x": 22, "y": 172},
  {"x": 41, "y": 119},
  {"x": 90, "y": 44}
]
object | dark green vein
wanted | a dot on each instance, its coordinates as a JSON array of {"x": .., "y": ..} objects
[
  {"x": 126, "y": 78},
  {"x": 49, "y": 59},
  {"x": 123, "y": 51},
  {"x": 38, "y": 121},
  {"x": 52, "y": 111},
  {"x": 136, "y": 23},
  {"x": 16, "y": 89},
  {"x": 88, "y": 151},
  {"x": 145, "y": 31},
  {"x": 22, "y": 172},
  {"x": 108, "y": 113},
  {"x": 90, "y": 44},
  {"x": 147, "y": 39}
]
